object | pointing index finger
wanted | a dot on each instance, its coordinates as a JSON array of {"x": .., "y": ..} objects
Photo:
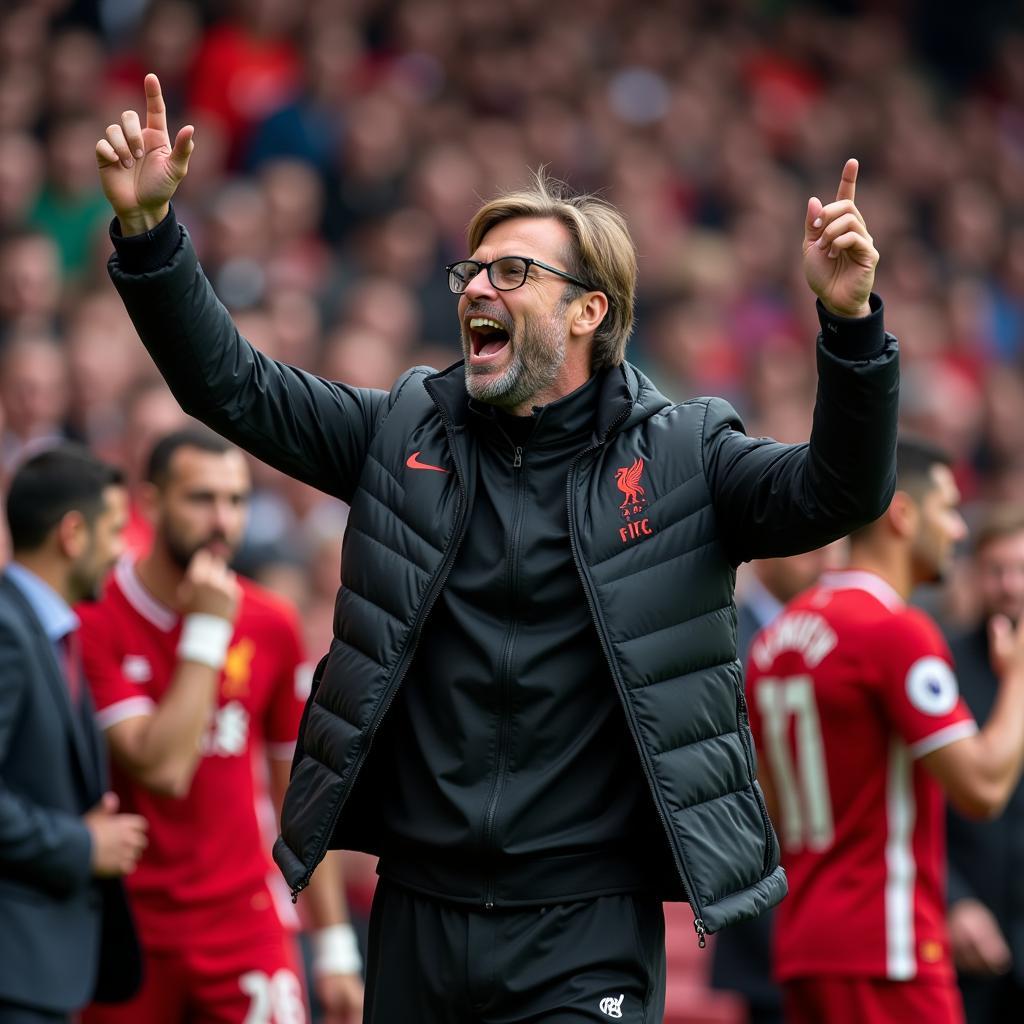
[
  {"x": 848, "y": 184},
  {"x": 156, "y": 112}
]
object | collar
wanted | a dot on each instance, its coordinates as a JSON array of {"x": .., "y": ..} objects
[
  {"x": 870, "y": 582},
  {"x": 568, "y": 420},
  {"x": 761, "y": 602},
  {"x": 54, "y": 613},
  {"x": 617, "y": 396},
  {"x": 135, "y": 593}
]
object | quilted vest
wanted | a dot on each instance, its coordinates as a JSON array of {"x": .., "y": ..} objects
[{"x": 660, "y": 590}]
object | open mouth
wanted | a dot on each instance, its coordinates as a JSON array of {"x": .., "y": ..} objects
[{"x": 487, "y": 338}]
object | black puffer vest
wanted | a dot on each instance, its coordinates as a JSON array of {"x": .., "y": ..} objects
[{"x": 660, "y": 588}]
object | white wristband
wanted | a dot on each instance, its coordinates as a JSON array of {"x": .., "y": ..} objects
[
  {"x": 205, "y": 639},
  {"x": 335, "y": 951}
]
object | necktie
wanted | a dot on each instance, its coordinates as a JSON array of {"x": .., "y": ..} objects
[{"x": 71, "y": 662}]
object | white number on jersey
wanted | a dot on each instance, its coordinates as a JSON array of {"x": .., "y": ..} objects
[
  {"x": 273, "y": 1000},
  {"x": 801, "y": 788}
]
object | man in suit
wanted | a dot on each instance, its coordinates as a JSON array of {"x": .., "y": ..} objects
[
  {"x": 986, "y": 891},
  {"x": 742, "y": 956},
  {"x": 65, "y": 932}
]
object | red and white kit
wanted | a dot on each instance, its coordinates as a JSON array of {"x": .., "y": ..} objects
[
  {"x": 847, "y": 690},
  {"x": 212, "y": 910}
]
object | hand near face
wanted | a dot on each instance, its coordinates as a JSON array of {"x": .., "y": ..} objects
[
  {"x": 839, "y": 254},
  {"x": 139, "y": 169}
]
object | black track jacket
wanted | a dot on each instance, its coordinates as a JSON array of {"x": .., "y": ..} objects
[{"x": 662, "y": 502}]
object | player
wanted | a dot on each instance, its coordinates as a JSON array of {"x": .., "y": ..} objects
[
  {"x": 860, "y": 727},
  {"x": 196, "y": 673}
]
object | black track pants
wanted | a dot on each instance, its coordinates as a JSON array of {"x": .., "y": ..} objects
[{"x": 438, "y": 963}]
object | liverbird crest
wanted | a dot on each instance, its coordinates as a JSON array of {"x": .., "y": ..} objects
[{"x": 627, "y": 478}]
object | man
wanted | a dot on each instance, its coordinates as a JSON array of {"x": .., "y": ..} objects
[
  {"x": 65, "y": 933},
  {"x": 531, "y": 710},
  {"x": 742, "y": 954},
  {"x": 858, "y": 719},
  {"x": 195, "y": 673},
  {"x": 986, "y": 895}
]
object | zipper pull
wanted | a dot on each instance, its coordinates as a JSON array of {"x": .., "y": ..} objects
[
  {"x": 698, "y": 927},
  {"x": 518, "y": 460}
]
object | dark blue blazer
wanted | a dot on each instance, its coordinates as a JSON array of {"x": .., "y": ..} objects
[{"x": 65, "y": 937}]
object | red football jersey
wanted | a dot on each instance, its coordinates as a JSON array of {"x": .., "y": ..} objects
[
  {"x": 211, "y": 845},
  {"x": 847, "y": 688}
]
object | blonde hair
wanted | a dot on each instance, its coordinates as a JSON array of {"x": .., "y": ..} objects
[{"x": 601, "y": 253}]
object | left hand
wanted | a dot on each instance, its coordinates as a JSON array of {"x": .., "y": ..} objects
[
  {"x": 839, "y": 254},
  {"x": 341, "y": 996}
]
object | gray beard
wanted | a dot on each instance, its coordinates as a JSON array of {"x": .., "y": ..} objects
[{"x": 537, "y": 359}]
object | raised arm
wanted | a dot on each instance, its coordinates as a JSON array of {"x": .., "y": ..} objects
[
  {"x": 309, "y": 428},
  {"x": 980, "y": 772},
  {"x": 773, "y": 499}
]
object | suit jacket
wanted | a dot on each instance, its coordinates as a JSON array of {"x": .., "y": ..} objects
[
  {"x": 55, "y": 918},
  {"x": 985, "y": 857}
]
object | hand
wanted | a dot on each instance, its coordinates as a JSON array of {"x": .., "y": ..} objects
[
  {"x": 117, "y": 839},
  {"x": 1006, "y": 646},
  {"x": 139, "y": 171},
  {"x": 977, "y": 943},
  {"x": 209, "y": 588},
  {"x": 839, "y": 254},
  {"x": 341, "y": 996}
]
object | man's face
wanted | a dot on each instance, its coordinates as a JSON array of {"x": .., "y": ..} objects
[
  {"x": 999, "y": 568},
  {"x": 104, "y": 547},
  {"x": 939, "y": 528},
  {"x": 203, "y": 504},
  {"x": 523, "y": 362}
]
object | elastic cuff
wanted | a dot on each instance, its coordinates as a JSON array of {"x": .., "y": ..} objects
[
  {"x": 861, "y": 337},
  {"x": 142, "y": 254}
]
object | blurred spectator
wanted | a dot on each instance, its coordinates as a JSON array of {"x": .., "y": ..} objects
[
  {"x": 247, "y": 67},
  {"x": 986, "y": 893},
  {"x": 71, "y": 206},
  {"x": 166, "y": 43},
  {"x": 30, "y": 282},
  {"x": 34, "y": 395},
  {"x": 21, "y": 171}
]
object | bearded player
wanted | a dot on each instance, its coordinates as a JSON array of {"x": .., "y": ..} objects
[
  {"x": 860, "y": 728},
  {"x": 198, "y": 680}
]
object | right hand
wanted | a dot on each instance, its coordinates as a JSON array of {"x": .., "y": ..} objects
[
  {"x": 1006, "y": 646},
  {"x": 977, "y": 943},
  {"x": 117, "y": 839},
  {"x": 139, "y": 170},
  {"x": 209, "y": 588}
]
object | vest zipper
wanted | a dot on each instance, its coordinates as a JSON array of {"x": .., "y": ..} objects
[
  {"x": 504, "y": 678},
  {"x": 769, "y": 831},
  {"x": 403, "y": 666},
  {"x": 698, "y": 920}
]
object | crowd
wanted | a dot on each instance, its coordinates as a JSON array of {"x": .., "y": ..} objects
[{"x": 343, "y": 147}]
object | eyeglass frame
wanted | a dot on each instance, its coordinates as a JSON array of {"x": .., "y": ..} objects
[{"x": 528, "y": 260}]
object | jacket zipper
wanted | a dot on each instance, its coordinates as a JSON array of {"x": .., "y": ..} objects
[
  {"x": 698, "y": 913},
  {"x": 769, "y": 831},
  {"x": 425, "y": 608},
  {"x": 504, "y": 679}
]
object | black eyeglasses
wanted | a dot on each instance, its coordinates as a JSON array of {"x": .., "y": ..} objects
[{"x": 506, "y": 274}]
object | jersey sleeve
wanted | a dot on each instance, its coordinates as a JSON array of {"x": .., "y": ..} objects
[
  {"x": 290, "y": 688},
  {"x": 115, "y": 697},
  {"x": 919, "y": 689}
]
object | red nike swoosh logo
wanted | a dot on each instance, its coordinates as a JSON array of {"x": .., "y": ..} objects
[{"x": 413, "y": 462}]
